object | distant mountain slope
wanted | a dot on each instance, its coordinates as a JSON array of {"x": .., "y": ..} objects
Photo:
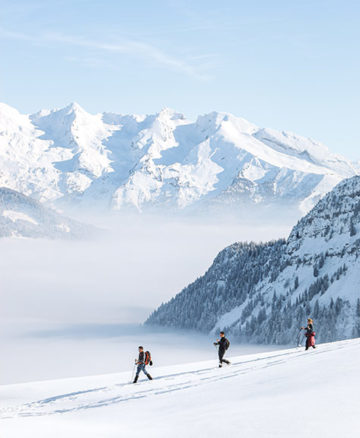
[
  {"x": 162, "y": 160},
  {"x": 264, "y": 292},
  {"x": 21, "y": 216}
]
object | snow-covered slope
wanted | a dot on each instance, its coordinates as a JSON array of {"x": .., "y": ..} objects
[
  {"x": 161, "y": 160},
  {"x": 21, "y": 216},
  {"x": 286, "y": 393},
  {"x": 264, "y": 292}
]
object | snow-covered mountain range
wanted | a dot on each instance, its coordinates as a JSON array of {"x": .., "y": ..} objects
[
  {"x": 21, "y": 216},
  {"x": 68, "y": 156},
  {"x": 264, "y": 292}
]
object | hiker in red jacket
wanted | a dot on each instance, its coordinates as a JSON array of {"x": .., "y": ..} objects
[{"x": 310, "y": 334}]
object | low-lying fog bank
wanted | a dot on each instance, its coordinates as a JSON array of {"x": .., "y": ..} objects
[
  {"x": 118, "y": 279},
  {"x": 44, "y": 352}
]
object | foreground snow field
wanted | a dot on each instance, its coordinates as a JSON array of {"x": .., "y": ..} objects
[{"x": 286, "y": 393}]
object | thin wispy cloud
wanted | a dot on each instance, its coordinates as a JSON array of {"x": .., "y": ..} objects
[{"x": 134, "y": 48}]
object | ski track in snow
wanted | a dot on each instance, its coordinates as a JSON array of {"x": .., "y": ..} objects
[{"x": 197, "y": 374}]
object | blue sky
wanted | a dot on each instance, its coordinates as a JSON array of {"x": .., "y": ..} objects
[{"x": 290, "y": 65}]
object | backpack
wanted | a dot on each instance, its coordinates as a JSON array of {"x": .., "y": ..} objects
[
  {"x": 227, "y": 344},
  {"x": 148, "y": 360}
]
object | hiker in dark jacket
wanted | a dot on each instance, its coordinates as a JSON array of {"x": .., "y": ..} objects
[
  {"x": 140, "y": 362},
  {"x": 310, "y": 334},
  {"x": 223, "y": 344}
]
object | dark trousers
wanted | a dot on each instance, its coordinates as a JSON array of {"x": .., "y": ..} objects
[
  {"x": 308, "y": 344},
  {"x": 141, "y": 367},
  {"x": 221, "y": 355}
]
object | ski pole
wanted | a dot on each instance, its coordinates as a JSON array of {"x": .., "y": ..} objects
[
  {"x": 298, "y": 338},
  {"x": 133, "y": 371}
]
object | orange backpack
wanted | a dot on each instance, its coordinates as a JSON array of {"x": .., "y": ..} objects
[{"x": 148, "y": 360}]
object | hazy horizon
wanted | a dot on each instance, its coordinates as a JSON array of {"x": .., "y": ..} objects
[
  {"x": 63, "y": 303},
  {"x": 138, "y": 263}
]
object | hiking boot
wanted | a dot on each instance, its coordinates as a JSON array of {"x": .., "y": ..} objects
[
  {"x": 149, "y": 377},
  {"x": 136, "y": 379},
  {"x": 220, "y": 366}
]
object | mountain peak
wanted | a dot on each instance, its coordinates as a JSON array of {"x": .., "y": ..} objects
[
  {"x": 169, "y": 114},
  {"x": 151, "y": 161},
  {"x": 72, "y": 110},
  {"x": 9, "y": 112},
  {"x": 216, "y": 120},
  {"x": 74, "y": 107}
]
